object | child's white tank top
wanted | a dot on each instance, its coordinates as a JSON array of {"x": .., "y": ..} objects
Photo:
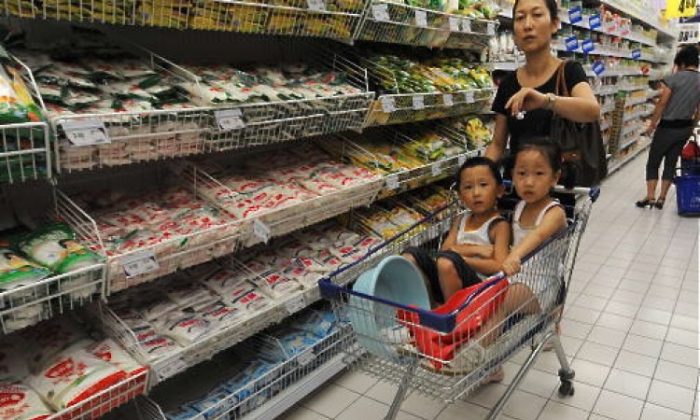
[
  {"x": 520, "y": 232},
  {"x": 475, "y": 237}
]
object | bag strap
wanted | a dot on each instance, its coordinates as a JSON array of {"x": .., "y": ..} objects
[{"x": 561, "y": 88}]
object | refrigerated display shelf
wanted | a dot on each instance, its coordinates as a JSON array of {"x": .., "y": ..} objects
[
  {"x": 183, "y": 358},
  {"x": 398, "y": 23}
]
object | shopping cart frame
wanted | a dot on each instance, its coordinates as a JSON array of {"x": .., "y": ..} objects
[{"x": 408, "y": 368}]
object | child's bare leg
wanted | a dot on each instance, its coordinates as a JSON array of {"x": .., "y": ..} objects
[{"x": 450, "y": 282}]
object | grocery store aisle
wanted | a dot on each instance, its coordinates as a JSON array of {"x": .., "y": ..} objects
[{"x": 630, "y": 325}]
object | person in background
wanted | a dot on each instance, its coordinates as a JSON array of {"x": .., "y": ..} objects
[
  {"x": 526, "y": 100},
  {"x": 675, "y": 115}
]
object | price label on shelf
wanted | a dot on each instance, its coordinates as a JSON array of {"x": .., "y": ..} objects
[
  {"x": 87, "y": 132},
  {"x": 575, "y": 14},
  {"x": 170, "y": 368},
  {"x": 421, "y": 18},
  {"x": 388, "y": 104},
  {"x": 469, "y": 97},
  {"x": 139, "y": 262},
  {"x": 418, "y": 102},
  {"x": 380, "y": 12},
  {"x": 392, "y": 182},
  {"x": 491, "y": 28},
  {"x": 454, "y": 24},
  {"x": 594, "y": 21},
  {"x": 316, "y": 5},
  {"x": 261, "y": 230},
  {"x": 598, "y": 68},
  {"x": 636, "y": 54},
  {"x": 306, "y": 357},
  {"x": 461, "y": 159},
  {"x": 571, "y": 43},
  {"x": 466, "y": 25},
  {"x": 436, "y": 169},
  {"x": 448, "y": 100},
  {"x": 587, "y": 46},
  {"x": 295, "y": 304},
  {"x": 229, "y": 119}
]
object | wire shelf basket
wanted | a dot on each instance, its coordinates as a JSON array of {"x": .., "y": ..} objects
[
  {"x": 398, "y": 23},
  {"x": 154, "y": 260}
]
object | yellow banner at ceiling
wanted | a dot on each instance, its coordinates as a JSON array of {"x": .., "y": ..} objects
[{"x": 680, "y": 8}]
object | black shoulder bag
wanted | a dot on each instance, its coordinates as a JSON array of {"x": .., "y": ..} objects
[{"x": 583, "y": 152}]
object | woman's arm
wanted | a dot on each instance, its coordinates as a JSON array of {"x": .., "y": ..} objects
[
  {"x": 581, "y": 106},
  {"x": 553, "y": 221},
  {"x": 500, "y": 236},
  {"x": 494, "y": 151},
  {"x": 659, "y": 108}
]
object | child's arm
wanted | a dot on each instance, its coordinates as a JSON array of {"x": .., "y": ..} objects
[
  {"x": 500, "y": 236},
  {"x": 451, "y": 239},
  {"x": 450, "y": 244},
  {"x": 553, "y": 221}
]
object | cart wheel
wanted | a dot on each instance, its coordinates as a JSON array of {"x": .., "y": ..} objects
[{"x": 566, "y": 389}]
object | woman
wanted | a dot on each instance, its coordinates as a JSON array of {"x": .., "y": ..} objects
[
  {"x": 526, "y": 100},
  {"x": 678, "y": 110}
]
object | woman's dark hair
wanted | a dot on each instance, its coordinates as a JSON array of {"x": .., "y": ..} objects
[
  {"x": 550, "y": 150},
  {"x": 687, "y": 57},
  {"x": 551, "y": 6},
  {"x": 479, "y": 161}
]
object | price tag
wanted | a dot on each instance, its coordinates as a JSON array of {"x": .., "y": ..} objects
[
  {"x": 421, "y": 19},
  {"x": 436, "y": 169},
  {"x": 466, "y": 25},
  {"x": 261, "y": 230},
  {"x": 594, "y": 21},
  {"x": 380, "y": 12},
  {"x": 461, "y": 159},
  {"x": 571, "y": 43},
  {"x": 454, "y": 24},
  {"x": 392, "y": 182},
  {"x": 140, "y": 262},
  {"x": 229, "y": 119},
  {"x": 491, "y": 28},
  {"x": 418, "y": 102},
  {"x": 448, "y": 100},
  {"x": 306, "y": 357},
  {"x": 171, "y": 368},
  {"x": 598, "y": 68},
  {"x": 636, "y": 54},
  {"x": 295, "y": 304},
  {"x": 587, "y": 45},
  {"x": 388, "y": 104},
  {"x": 316, "y": 5},
  {"x": 86, "y": 132},
  {"x": 575, "y": 15},
  {"x": 469, "y": 97}
]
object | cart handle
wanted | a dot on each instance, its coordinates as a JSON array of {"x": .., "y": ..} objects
[{"x": 443, "y": 323}]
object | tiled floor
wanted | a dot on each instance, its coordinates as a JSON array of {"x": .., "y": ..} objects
[{"x": 631, "y": 326}]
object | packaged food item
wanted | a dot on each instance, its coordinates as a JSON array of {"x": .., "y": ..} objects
[
  {"x": 248, "y": 299},
  {"x": 214, "y": 405},
  {"x": 50, "y": 338},
  {"x": 72, "y": 376},
  {"x": 16, "y": 271},
  {"x": 185, "y": 328},
  {"x": 319, "y": 323},
  {"x": 16, "y": 105},
  {"x": 111, "y": 352},
  {"x": 225, "y": 280},
  {"x": 55, "y": 246},
  {"x": 157, "y": 345},
  {"x": 19, "y": 402},
  {"x": 218, "y": 313},
  {"x": 276, "y": 283}
]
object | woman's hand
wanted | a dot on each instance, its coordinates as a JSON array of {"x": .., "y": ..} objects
[
  {"x": 526, "y": 99},
  {"x": 511, "y": 265}
]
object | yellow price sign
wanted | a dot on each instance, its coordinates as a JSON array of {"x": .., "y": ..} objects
[{"x": 680, "y": 8}]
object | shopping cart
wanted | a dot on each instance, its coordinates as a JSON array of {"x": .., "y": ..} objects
[{"x": 446, "y": 356}]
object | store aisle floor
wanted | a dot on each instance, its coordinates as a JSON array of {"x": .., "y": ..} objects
[{"x": 630, "y": 325}]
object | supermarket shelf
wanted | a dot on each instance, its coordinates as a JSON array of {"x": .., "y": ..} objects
[
  {"x": 184, "y": 358},
  {"x": 606, "y": 90},
  {"x": 628, "y": 143},
  {"x": 505, "y": 66},
  {"x": 607, "y": 52},
  {"x": 653, "y": 94},
  {"x": 401, "y": 108},
  {"x": 604, "y": 126},
  {"x": 26, "y": 305},
  {"x": 636, "y": 114},
  {"x": 631, "y": 129},
  {"x": 564, "y": 18},
  {"x": 636, "y": 101},
  {"x": 632, "y": 88},
  {"x": 617, "y": 164},
  {"x": 397, "y": 23},
  {"x": 321, "y": 18},
  {"x": 25, "y": 154},
  {"x": 643, "y": 16},
  {"x": 607, "y": 108}
]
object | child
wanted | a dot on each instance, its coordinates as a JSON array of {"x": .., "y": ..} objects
[{"x": 477, "y": 243}]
